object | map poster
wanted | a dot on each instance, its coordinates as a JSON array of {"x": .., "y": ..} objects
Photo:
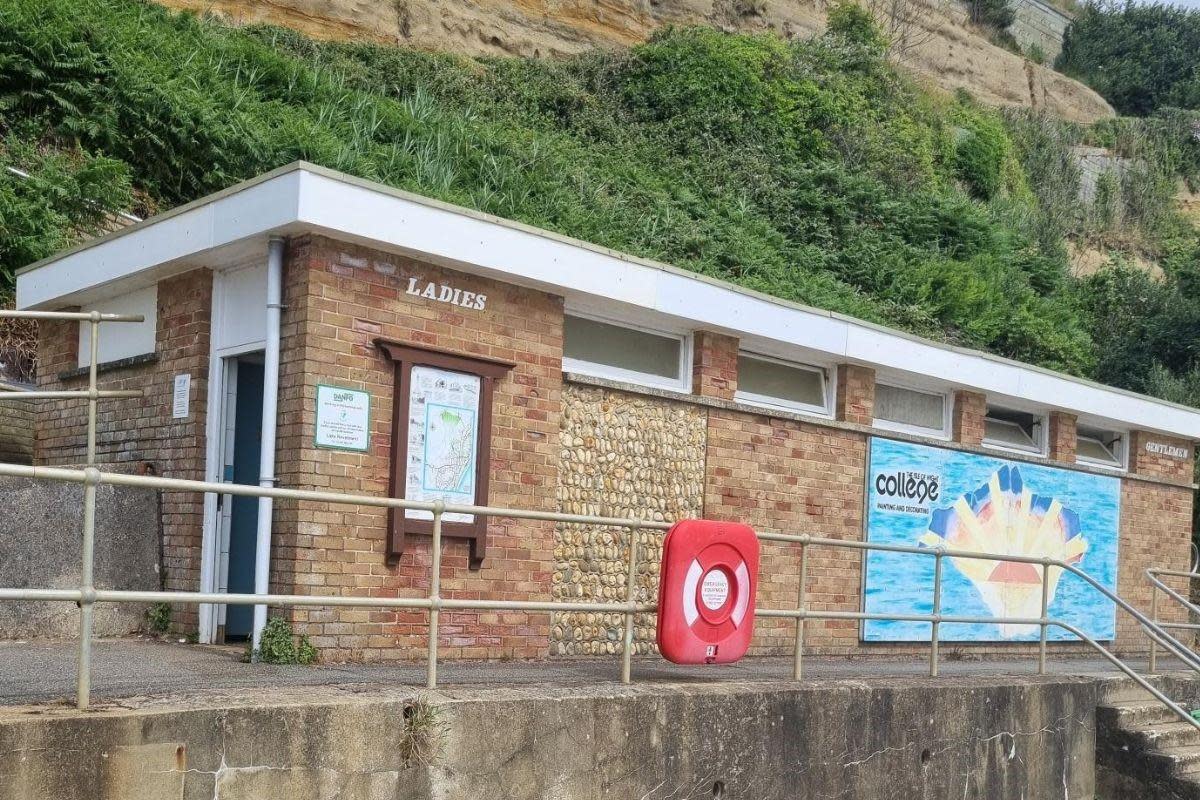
[
  {"x": 443, "y": 440},
  {"x": 921, "y": 496}
]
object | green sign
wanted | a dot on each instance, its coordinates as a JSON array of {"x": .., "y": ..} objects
[{"x": 343, "y": 419}]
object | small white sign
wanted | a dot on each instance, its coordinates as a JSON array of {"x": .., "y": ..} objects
[
  {"x": 442, "y": 293},
  {"x": 343, "y": 419},
  {"x": 1168, "y": 450},
  {"x": 182, "y": 397},
  {"x": 714, "y": 589}
]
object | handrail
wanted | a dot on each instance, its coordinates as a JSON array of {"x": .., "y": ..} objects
[
  {"x": 1156, "y": 584},
  {"x": 87, "y": 595}
]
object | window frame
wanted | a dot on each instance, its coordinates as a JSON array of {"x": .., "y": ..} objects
[
  {"x": 944, "y": 434},
  {"x": 1041, "y": 448},
  {"x": 828, "y": 376},
  {"x": 1122, "y": 462},
  {"x": 682, "y": 384}
]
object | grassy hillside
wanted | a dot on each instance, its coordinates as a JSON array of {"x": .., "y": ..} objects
[{"x": 810, "y": 170}]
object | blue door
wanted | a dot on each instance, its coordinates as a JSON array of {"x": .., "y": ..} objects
[{"x": 243, "y": 522}]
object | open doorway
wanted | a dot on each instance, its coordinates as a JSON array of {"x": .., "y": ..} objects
[{"x": 242, "y": 435}]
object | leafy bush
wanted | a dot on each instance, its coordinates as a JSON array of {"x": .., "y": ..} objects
[
  {"x": 995, "y": 14},
  {"x": 1140, "y": 57},
  {"x": 158, "y": 618},
  {"x": 855, "y": 24},
  {"x": 279, "y": 645},
  {"x": 981, "y": 154}
]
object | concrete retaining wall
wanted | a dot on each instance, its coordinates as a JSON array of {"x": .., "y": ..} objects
[
  {"x": 1039, "y": 24},
  {"x": 993, "y": 738},
  {"x": 41, "y": 526}
]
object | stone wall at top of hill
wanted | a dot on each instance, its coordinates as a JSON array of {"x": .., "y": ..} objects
[{"x": 944, "y": 48}]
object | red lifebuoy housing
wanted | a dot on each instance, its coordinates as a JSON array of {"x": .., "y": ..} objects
[{"x": 706, "y": 591}]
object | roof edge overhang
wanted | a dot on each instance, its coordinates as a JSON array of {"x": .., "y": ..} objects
[{"x": 304, "y": 198}]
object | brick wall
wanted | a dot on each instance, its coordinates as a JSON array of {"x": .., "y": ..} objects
[
  {"x": 1146, "y": 457},
  {"x": 1161, "y": 516},
  {"x": 715, "y": 363},
  {"x": 794, "y": 477},
  {"x": 16, "y": 430},
  {"x": 855, "y": 400},
  {"x": 1062, "y": 433},
  {"x": 969, "y": 411},
  {"x": 141, "y": 434},
  {"x": 340, "y": 299}
]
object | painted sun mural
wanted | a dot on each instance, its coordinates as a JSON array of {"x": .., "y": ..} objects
[{"x": 1004, "y": 517}]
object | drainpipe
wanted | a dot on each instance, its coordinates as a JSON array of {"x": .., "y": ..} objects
[{"x": 270, "y": 409}]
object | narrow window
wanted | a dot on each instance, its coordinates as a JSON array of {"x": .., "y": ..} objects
[
  {"x": 1100, "y": 447},
  {"x": 609, "y": 350},
  {"x": 911, "y": 410},
  {"x": 121, "y": 340},
  {"x": 1014, "y": 430},
  {"x": 781, "y": 384}
]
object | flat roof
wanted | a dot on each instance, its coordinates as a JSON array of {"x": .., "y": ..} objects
[{"x": 222, "y": 229}]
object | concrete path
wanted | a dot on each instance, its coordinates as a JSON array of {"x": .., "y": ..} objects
[{"x": 34, "y": 672}]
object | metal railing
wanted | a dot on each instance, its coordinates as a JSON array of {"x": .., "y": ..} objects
[
  {"x": 86, "y": 596},
  {"x": 1157, "y": 585}
]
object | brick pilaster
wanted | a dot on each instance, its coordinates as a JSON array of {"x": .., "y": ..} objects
[
  {"x": 855, "y": 394},
  {"x": 969, "y": 410},
  {"x": 714, "y": 365},
  {"x": 1062, "y": 436}
]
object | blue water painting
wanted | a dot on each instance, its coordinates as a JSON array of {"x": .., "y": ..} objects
[{"x": 919, "y": 495}]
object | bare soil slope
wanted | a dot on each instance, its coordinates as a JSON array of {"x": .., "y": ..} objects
[{"x": 948, "y": 51}]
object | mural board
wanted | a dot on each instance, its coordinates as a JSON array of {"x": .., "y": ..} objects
[{"x": 926, "y": 496}]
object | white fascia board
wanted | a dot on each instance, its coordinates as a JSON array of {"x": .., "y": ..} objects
[
  {"x": 893, "y": 351},
  {"x": 717, "y": 307},
  {"x": 473, "y": 242},
  {"x": 173, "y": 237}
]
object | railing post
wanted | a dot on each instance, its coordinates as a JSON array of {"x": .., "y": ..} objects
[
  {"x": 1154, "y": 619},
  {"x": 1044, "y": 626},
  {"x": 937, "y": 611},
  {"x": 630, "y": 598},
  {"x": 435, "y": 590},
  {"x": 798, "y": 662},
  {"x": 83, "y": 682}
]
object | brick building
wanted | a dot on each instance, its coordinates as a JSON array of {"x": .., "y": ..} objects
[{"x": 425, "y": 350}]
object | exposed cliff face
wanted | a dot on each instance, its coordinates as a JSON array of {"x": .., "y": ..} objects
[{"x": 946, "y": 50}]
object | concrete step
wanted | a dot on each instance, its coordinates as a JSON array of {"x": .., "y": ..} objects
[
  {"x": 1167, "y": 736},
  {"x": 1180, "y": 762},
  {"x": 1121, "y": 691},
  {"x": 1135, "y": 713}
]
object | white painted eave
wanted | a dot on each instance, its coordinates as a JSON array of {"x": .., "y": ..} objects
[{"x": 305, "y": 198}]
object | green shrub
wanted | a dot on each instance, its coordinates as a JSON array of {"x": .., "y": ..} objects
[
  {"x": 995, "y": 14},
  {"x": 279, "y": 645},
  {"x": 980, "y": 156},
  {"x": 1036, "y": 53},
  {"x": 851, "y": 22},
  {"x": 158, "y": 618},
  {"x": 1140, "y": 56}
]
